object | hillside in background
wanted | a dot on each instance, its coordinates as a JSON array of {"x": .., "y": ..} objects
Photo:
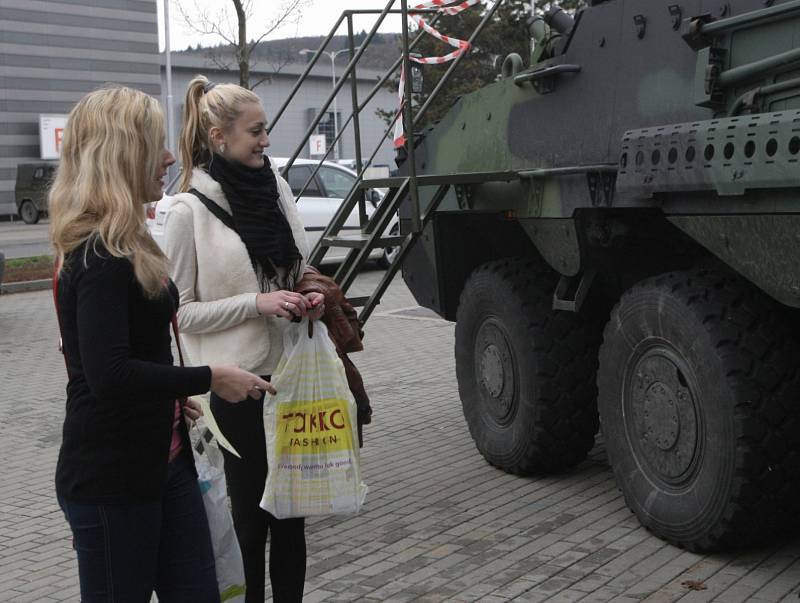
[{"x": 273, "y": 54}]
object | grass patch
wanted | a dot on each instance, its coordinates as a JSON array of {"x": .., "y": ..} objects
[{"x": 28, "y": 269}]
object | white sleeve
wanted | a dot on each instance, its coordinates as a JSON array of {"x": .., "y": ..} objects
[{"x": 198, "y": 316}]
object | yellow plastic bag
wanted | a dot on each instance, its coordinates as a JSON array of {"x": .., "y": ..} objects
[{"x": 310, "y": 427}]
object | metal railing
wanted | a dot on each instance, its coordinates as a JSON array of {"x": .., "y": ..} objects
[
  {"x": 372, "y": 228},
  {"x": 358, "y": 107}
]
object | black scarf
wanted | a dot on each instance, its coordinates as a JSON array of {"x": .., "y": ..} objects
[{"x": 254, "y": 199}]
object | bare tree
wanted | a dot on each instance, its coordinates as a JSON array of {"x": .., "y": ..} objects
[{"x": 232, "y": 29}]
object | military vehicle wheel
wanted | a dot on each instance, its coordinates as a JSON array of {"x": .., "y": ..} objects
[
  {"x": 698, "y": 388},
  {"x": 526, "y": 373},
  {"x": 28, "y": 212}
]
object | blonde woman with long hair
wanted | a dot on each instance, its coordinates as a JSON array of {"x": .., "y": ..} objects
[
  {"x": 237, "y": 248},
  {"x": 125, "y": 476}
]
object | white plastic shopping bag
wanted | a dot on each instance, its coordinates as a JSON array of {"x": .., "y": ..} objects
[
  {"x": 227, "y": 555},
  {"x": 311, "y": 432}
]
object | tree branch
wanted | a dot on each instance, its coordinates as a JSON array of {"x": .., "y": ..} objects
[
  {"x": 219, "y": 61},
  {"x": 267, "y": 78},
  {"x": 290, "y": 9},
  {"x": 203, "y": 23},
  {"x": 235, "y": 34}
]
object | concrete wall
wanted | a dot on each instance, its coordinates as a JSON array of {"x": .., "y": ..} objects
[{"x": 53, "y": 52}]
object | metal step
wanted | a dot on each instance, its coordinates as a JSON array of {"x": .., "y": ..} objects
[
  {"x": 360, "y": 240},
  {"x": 358, "y": 302},
  {"x": 392, "y": 182}
]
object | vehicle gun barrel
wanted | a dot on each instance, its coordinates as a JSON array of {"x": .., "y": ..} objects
[
  {"x": 743, "y": 72},
  {"x": 750, "y": 19},
  {"x": 559, "y": 20},
  {"x": 538, "y": 29}
]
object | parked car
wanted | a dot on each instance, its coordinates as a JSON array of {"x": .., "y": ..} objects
[
  {"x": 350, "y": 164},
  {"x": 30, "y": 191},
  {"x": 156, "y": 217},
  {"x": 323, "y": 197},
  {"x": 316, "y": 207}
]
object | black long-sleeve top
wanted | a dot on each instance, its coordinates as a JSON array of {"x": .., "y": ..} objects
[{"x": 122, "y": 384}]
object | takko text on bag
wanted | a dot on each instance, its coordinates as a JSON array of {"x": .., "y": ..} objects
[{"x": 318, "y": 423}]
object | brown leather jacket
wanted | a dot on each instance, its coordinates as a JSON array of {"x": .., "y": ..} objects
[{"x": 345, "y": 330}]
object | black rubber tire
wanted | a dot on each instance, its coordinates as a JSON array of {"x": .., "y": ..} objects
[
  {"x": 28, "y": 212},
  {"x": 526, "y": 373},
  {"x": 703, "y": 364}
]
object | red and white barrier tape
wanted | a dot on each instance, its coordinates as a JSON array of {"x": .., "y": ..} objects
[{"x": 446, "y": 7}]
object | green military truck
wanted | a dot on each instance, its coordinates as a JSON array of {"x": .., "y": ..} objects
[
  {"x": 30, "y": 192},
  {"x": 618, "y": 248}
]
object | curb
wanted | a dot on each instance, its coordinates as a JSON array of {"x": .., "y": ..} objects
[{"x": 26, "y": 286}]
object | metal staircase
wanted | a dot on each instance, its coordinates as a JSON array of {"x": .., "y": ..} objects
[{"x": 372, "y": 229}]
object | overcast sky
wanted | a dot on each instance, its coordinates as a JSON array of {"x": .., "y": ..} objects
[{"x": 317, "y": 19}]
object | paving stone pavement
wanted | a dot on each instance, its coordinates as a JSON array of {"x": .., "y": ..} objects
[{"x": 439, "y": 524}]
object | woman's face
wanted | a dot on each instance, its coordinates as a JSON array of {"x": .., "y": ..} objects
[
  {"x": 155, "y": 187},
  {"x": 247, "y": 138}
]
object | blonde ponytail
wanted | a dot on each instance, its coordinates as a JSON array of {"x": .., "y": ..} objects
[
  {"x": 194, "y": 147},
  {"x": 207, "y": 106}
]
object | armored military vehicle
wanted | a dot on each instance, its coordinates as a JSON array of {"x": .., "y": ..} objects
[
  {"x": 621, "y": 252},
  {"x": 613, "y": 227}
]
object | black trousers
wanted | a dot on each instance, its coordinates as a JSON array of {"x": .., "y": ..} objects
[{"x": 243, "y": 424}]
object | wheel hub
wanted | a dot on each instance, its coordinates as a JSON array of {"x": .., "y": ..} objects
[
  {"x": 661, "y": 413},
  {"x": 492, "y": 370},
  {"x": 494, "y": 366}
]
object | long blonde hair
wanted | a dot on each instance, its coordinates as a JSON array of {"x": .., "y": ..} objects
[
  {"x": 207, "y": 106},
  {"x": 110, "y": 152}
]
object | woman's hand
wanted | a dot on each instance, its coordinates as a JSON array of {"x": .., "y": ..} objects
[
  {"x": 233, "y": 384},
  {"x": 192, "y": 410},
  {"x": 317, "y": 303},
  {"x": 286, "y": 304}
]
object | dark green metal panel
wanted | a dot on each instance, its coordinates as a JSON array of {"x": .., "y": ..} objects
[
  {"x": 557, "y": 241},
  {"x": 726, "y": 156},
  {"x": 760, "y": 247},
  {"x": 622, "y": 113}
]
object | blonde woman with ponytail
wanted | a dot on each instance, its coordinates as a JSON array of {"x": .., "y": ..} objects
[
  {"x": 125, "y": 476},
  {"x": 237, "y": 248}
]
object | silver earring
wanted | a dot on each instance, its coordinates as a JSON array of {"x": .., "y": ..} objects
[{"x": 222, "y": 148}]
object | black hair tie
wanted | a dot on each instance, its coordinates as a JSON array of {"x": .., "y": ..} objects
[{"x": 208, "y": 87}]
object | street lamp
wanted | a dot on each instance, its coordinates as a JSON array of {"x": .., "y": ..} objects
[
  {"x": 331, "y": 54},
  {"x": 168, "y": 68}
]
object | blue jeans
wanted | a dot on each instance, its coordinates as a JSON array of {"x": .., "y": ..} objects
[{"x": 125, "y": 552}]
